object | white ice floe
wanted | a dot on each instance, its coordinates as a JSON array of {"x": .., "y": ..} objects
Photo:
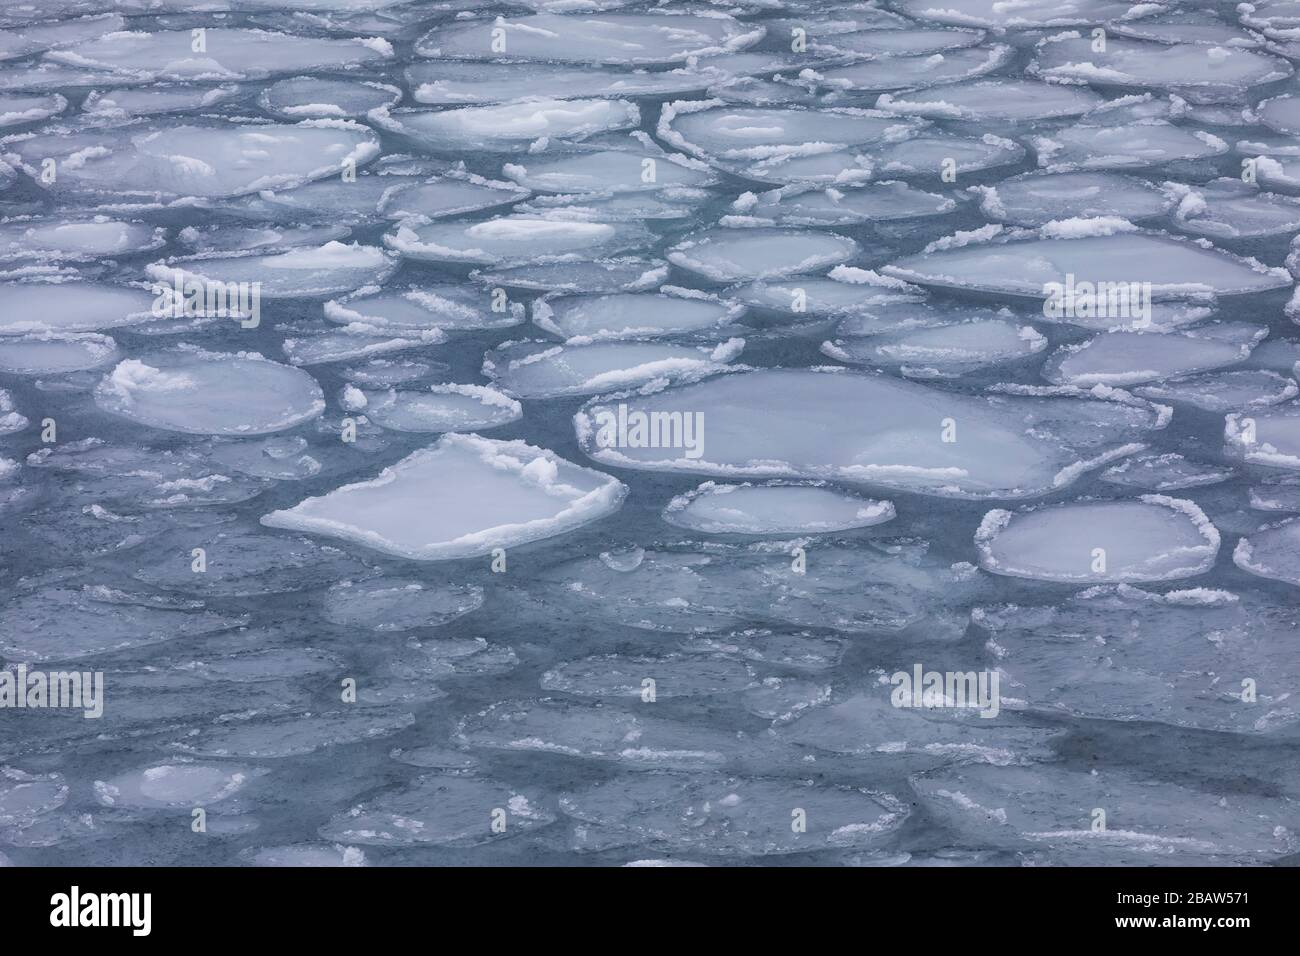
[
  {"x": 617, "y": 38},
  {"x": 311, "y": 97},
  {"x": 473, "y": 495},
  {"x": 1003, "y": 100},
  {"x": 19, "y": 108},
  {"x": 76, "y": 239},
  {"x": 1155, "y": 538},
  {"x": 592, "y": 276},
  {"x": 1271, "y": 552},
  {"x": 450, "y": 195},
  {"x": 1167, "y": 472},
  {"x": 895, "y": 43},
  {"x": 608, "y": 171},
  {"x": 1025, "y": 14},
  {"x": 465, "y": 83},
  {"x": 227, "y": 54},
  {"x": 812, "y": 433},
  {"x": 944, "y": 351},
  {"x": 1035, "y": 199},
  {"x": 50, "y": 354},
  {"x": 158, "y": 99},
  {"x": 894, "y": 73},
  {"x": 1123, "y": 146},
  {"x": 1027, "y": 266},
  {"x": 210, "y": 394},
  {"x": 810, "y": 508},
  {"x": 281, "y": 457},
  {"x": 309, "y": 272},
  {"x": 547, "y": 370},
  {"x": 732, "y": 255},
  {"x": 878, "y": 202},
  {"x": 61, "y": 307},
  {"x": 440, "y": 408},
  {"x": 392, "y": 604},
  {"x": 175, "y": 786},
  {"x": 672, "y": 311},
  {"x": 515, "y": 240},
  {"x": 424, "y": 308},
  {"x": 509, "y": 127},
  {"x": 933, "y": 155},
  {"x": 615, "y": 676},
  {"x": 1229, "y": 209},
  {"x": 1133, "y": 358},
  {"x": 26, "y": 39},
  {"x": 839, "y": 294},
  {"x": 213, "y": 160},
  {"x": 1265, "y": 436}
]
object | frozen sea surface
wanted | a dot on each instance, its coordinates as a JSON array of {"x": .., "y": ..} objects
[{"x": 650, "y": 433}]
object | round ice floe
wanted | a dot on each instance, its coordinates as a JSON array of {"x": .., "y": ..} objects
[
  {"x": 625, "y": 39},
  {"x": 1225, "y": 391},
  {"x": 41, "y": 307},
  {"x": 935, "y": 155},
  {"x": 50, "y": 354},
  {"x": 1196, "y": 72},
  {"x": 352, "y": 343},
  {"x": 615, "y": 676},
  {"x": 391, "y": 604},
  {"x": 1010, "y": 100},
  {"x": 461, "y": 83},
  {"x": 438, "y": 810},
  {"x": 1024, "y": 15},
  {"x": 210, "y": 394},
  {"x": 424, "y": 308},
  {"x": 1030, "y": 267},
  {"x": 546, "y": 370},
  {"x": 999, "y": 451},
  {"x": 228, "y": 54},
  {"x": 460, "y": 498},
  {"x": 731, "y": 817},
  {"x": 1155, "y": 538},
  {"x": 310, "y": 272},
  {"x": 1267, "y": 436},
  {"x": 591, "y": 276},
  {"x": 209, "y": 161},
  {"x": 24, "y": 797},
  {"x": 225, "y": 237},
  {"x": 1272, "y": 552},
  {"x": 452, "y": 195},
  {"x": 892, "y": 43},
  {"x": 515, "y": 240},
  {"x": 1035, "y": 199},
  {"x": 307, "y": 855},
  {"x": 156, "y": 99},
  {"x": 10, "y": 419},
  {"x": 752, "y": 133},
  {"x": 632, "y": 315},
  {"x": 510, "y": 127},
  {"x": 774, "y": 509},
  {"x": 1231, "y": 209},
  {"x": 308, "y": 97},
  {"x": 22, "y": 38},
  {"x": 607, "y": 171},
  {"x": 17, "y": 108},
  {"x": 730, "y": 255},
  {"x": 442, "y": 408},
  {"x": 913, "y": 72},
  {"x": 1280, "y": 113},
  {"x": 1168, "y": 472},
  {"x": 1125, "y": 146},
  {"x": 879, "y": 202},
  {"x": 77, "y": 239},
  {"x": 1131, "y": 358},
  {"x": 175, "y": 786},
  {"x": 811, "y": 297},
  {"x": 943, "y": 351}
]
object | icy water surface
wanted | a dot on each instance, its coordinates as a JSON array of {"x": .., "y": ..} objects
[{"x": 595, "y": 433}]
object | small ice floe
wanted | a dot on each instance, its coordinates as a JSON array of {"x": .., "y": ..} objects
[
  {"x": 210, "y": 160},
  {"x": 1187, "y": 26},
  {"x": 211, "y": 241},
  {"x": 175, "y": 786},
  {"x": 25, "y": 38},
  {"x": 934, "y": 155},
  {"x": 1199, "y": 73},
  {"x": 1161, "y": 473},
  {"x": 228, "y": 54},
  {"x": 490, "y": 494},
  {"x": 1024, "y": 15},
  {"x": 895, "y": 73},
  {"x": 440, "y": 810},
  {"x": 58, "y": 623},
  {"x": 398, "y": 604},
  {"x": 591, "y": 276},
  {"x": 893, "y": 43},
  {"x": 1091, "y": 251},
  {"x": 844, "y": 292},
  {"x": 729, "y": 816},
  {"x": 289, "y": 736},
  {"x": 157, "y": 99},
  {"x": 313, "y": 97},
  {"x": 426, "y": 307},
  {"x": 671, "y": 311},
  {"x": 774, "y": 509},
  {"x": 1133, "y": 358},
  {"x": 878, "y": 202},
  {"x": 65, "y": 307},
  {"x": 945, "y": 351},
  {"x": 453, "y": 194},
  {"x": 439, "y": 408},
  {"x": 1265, "y": 436},
  {"x": 1155, "y": 538},
  {"x": 19, "y": 108},
  {"x": 280, "y": 457},
  {"x": 208, "y": 393},
  {"x": 50, "y": 354},
  {"x": 1225, "y": 392},
  {"x": 1035, "y": 199},
  {"x": 303, "y": 273},
  {"x": 306, "y": 855},
  {"x": 1155, "y": 142},
  {"x": 1229, "y": 209},
  {"x": 615, "y": 676},
  {"x": 508, "y": 127},
  {"x": 1054, "y": 809},
  {"x": 466, "y": 83},
  {"x": 608, "y": 171},
  {"x": 11, "y": 420},
  {"x": 547, "y": 370},
  {"x": 623, "y": 39},
  {"x": 515, "y": 240},
  {"x": 1002, "y": 100},
  {"x": 731, "y": 255}
]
